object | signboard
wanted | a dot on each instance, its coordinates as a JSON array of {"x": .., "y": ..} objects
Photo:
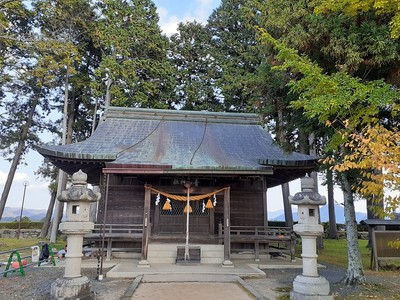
[{"x": 383, "y": 248}]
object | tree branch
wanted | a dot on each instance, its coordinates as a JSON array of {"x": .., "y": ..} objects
[{"x": 4, "y": 2}]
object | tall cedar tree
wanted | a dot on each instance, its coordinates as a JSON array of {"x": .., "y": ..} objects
[
  {"x": 236, "y": 52},
  {"x": 71, "y": 23},
  {"x": 133, "y": 54},
  {"x": 195, "y": 68}
]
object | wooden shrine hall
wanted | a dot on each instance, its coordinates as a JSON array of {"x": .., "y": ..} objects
[{"x": 172, "y": 178}]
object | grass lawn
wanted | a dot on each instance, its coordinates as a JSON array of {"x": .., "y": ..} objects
[{"x": 335, "y": 252}]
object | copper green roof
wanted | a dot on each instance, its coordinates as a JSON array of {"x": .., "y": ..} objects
[{"x": 178, "y": 142}]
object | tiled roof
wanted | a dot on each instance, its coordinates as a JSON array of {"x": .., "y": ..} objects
[{"x": 180, "y": 141}]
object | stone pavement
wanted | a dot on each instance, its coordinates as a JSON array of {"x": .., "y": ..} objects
[{"x": 244, "y": 281}]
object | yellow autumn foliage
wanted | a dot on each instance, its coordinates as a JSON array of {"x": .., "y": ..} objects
[{"x": 375, "y": 151}]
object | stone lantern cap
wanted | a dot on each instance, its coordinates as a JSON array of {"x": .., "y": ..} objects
[
  {"x": 79, "y": 191},
  {"x": 79, "y": 178},
  {"x": 307, "y": 196}
]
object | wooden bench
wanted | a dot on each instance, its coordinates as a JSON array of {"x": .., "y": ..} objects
[
  {"x": 116, "y": 233},
  {"x": 275, "y": 239}
]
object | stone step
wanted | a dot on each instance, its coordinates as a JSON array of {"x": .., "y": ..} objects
[{"x": 167, "y": 253}]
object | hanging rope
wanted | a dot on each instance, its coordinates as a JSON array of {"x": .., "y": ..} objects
[{"x": 184, "y": 198}]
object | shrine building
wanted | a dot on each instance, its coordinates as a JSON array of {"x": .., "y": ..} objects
[{"x": 170, "y": 177}]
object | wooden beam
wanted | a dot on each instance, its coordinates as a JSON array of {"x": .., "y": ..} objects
[
  {"x": 265, "y": 200},
  {"x": 227, "y": 220}
]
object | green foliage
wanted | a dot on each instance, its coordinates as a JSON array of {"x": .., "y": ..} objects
[
  {"x": 69, "y": 27},
  {"x": 382, "y": 8},
  {"x": 15, "y": 24},
  {"x": 350, "y": 106},
  {"x": 359, "y": 45},
  {"x": 133, "y": 54},
  {"x": 236, "y": 53},
  {"x": 195, "y": 68},
  {"x": 354, "y": 45}
]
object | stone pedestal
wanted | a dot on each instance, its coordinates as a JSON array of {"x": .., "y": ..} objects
[
  {"x": 72, "y": 289},
  {"x": 78, "y": 198},
  {"x": 310, "y": 288}
]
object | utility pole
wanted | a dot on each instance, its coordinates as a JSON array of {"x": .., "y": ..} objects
[{"x": 25, "y": 183}]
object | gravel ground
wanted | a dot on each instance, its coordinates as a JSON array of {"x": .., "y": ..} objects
[
  {"x": 36, "y": 284},
  {"x": 379, "y": 285}
]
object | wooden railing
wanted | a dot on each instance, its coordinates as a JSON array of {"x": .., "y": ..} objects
[
  {"x": 273, "y": 239},
  {"x": 116, "y": 233}
]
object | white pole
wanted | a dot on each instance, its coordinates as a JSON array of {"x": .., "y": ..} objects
[{"x": 187, "y": 257}]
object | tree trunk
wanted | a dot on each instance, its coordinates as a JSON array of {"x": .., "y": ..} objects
[
  {"x": 286, "y": 205},
  {"x": 285, "y": 187},
  {"x": 71, "y": 119},
  {"x": 58, "y": 207},
  {"x": 331, "y": 206},
  {"x": 47, "y": 219},
  {"x": 17, "y": 156},
  {"x": 314, "y": 175},
  {"x": 355, "y": 272},
  {"x": 62, "y": 182}
]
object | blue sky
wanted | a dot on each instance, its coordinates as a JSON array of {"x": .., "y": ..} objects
[{"x": 172, "y": 12}]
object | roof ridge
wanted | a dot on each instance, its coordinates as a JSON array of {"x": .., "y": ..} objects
[{"x": 181, "y": 115}]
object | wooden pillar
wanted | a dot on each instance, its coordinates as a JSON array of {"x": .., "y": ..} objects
[
  {"x": 264, "y": 199},
  {"x": 212, "y": 220},
  {"x": 227, "y": 234},
  {"x": 94, "y": 206},
  {"x": 104, "y": 225},
  {"x": 146, "y": 227}
]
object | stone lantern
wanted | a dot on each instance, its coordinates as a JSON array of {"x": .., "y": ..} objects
[
  {"x": 309, "y": 285},
  {"x": 78, "y": 199}
]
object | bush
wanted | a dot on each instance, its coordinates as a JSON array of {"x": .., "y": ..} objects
[{"x": 24, "y": 225}]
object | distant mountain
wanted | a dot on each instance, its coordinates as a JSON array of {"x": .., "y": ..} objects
[
  {"x": 339, "y": 212},
  {"x": 12, "y": 213}
]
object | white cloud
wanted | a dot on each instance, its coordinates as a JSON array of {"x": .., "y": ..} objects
[
  {"x": 169, "y": 25},
  {"x": 203, "y": 10},
  {"x": 200, "y": 12},
  {"x": 19, "y": 177}
]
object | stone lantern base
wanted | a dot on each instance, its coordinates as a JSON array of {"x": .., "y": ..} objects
[
  {"x": 72, "y": 288},
  {"x": 310, "y": 288}
]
